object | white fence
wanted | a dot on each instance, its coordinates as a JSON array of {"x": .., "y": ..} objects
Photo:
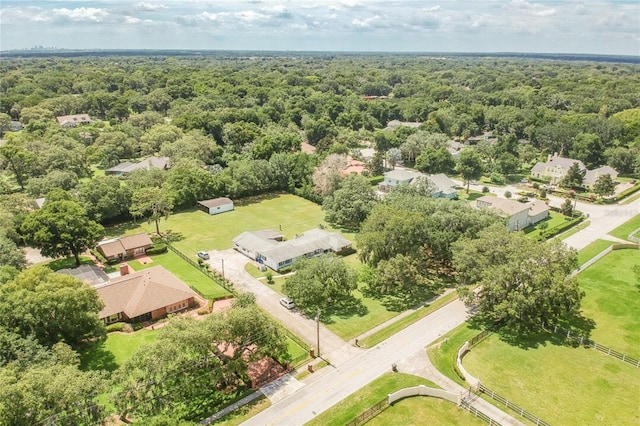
[{"x": 423, "y": 390}]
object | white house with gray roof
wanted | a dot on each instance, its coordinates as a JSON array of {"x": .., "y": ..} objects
[
  {"x": 518, "y": 215},
  {"x": 557, "y": 167},
  {"x": 269, "y": 247},
  {"x": 443, "y": 187}
]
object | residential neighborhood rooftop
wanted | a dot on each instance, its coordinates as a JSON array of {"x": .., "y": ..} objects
[{"x": 141, "y": 292}]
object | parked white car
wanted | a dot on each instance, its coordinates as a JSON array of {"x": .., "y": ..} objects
[{"x": 287, "y": 303}]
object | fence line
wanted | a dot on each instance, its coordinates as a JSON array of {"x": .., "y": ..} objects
[
  {"x": 213, "y": 275},
  {"x": 603, "y": 253},
  {"x": 369, "y": 413},
  {"x": 588, "y": 343},
  {"x": 524, "y": 413},
  {"x": 477, "y": 413}
]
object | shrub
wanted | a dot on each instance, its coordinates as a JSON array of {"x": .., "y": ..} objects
[
  {"x": 269, "y": 276},
  {"x": 536, "y": 185},
  {"x": 497, "y": 178},
  {"x": 543, "y": 193},
  {"x": 507, "y": 194},
  {"x": 118, "y": 326},
  {"x": 203, "y": 311},
  {"x": 374, "y": 180},
  {"x": 485, "y": 189},
  {"x": 157, "y": 249}
]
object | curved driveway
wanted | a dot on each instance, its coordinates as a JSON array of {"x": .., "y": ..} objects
[{"x": 332, "y": 347}]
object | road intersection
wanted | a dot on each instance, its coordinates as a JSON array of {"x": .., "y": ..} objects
[{"x": 353, "y": 368}]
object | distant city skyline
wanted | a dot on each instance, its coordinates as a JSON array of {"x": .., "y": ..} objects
[{"x": 545, "y": 26}]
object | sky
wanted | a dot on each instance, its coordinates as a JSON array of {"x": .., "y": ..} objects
[{"x": 544, "y": 26}]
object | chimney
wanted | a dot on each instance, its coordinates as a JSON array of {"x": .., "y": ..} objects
[
  {"x": 124, "y": 269},
  {"x": 548, "y": 158}
]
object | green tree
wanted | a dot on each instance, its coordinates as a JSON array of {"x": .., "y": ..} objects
[
  {"x": 351, "y": 203},
  {"x": 567, "y": 208},
  {"x": 105, "y": 198},
  {"x": 320, "y": 283},
  {"x": 151, "y": 203},
  {"x": 469, "y": 166},
  {"x": 604, "y": 186},
  {"x": 574, "y": 177},
  {"x": 61, "y": 228},
  {"x": 523, "y": 284},
  {"x": 19, "y": 160},
  {"x": 5, "y": 123},
  {"x": 190, "y": 369},
  {"x": 394, "y": 156},
  {"x": 50, "y": 393},
  {"x": 10, "y": 254},
  {"x": 51, "y": 307},
  {"x": 435, "y": 161}
]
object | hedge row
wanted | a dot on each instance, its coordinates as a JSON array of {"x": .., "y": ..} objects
[
  {"x": 628, "y": 191},
  {"x": 157, "y": 248},
  {"x": 374, "y": 180},
  {"x": 552, "y": 232}
]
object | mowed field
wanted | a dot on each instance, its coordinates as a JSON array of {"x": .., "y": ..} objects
[
  {"x": 560, "y": 383},
  {"x": 196, "y": 230},
  {"x": 612, "y": 300}
]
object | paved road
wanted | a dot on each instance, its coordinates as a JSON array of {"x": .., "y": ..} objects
[
  {"x": 332, "y": 347},
  {"x": 361, "y": 369}
]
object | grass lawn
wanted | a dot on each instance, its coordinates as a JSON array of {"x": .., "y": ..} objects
[
  {"x": 196, "y": 230},
  {"x": 244, "y": 413},
  {"x": 613, "y": 301},
  {"x": 349, "y": 408},
  {"x": 185, "y": 272},
  {"x": 552, "y": 221},
  {"x": 424, "y": 410},
  {"x": 592, "y": 250},
  {"x": 350, "y": 326},
  {"x": 401, "y": 324},
  {"x": 118, "y": 347},
  {"x": 626, "y": 228},
  {"x": 443, "y": 353},
  {"x": 559, "y": 384}
]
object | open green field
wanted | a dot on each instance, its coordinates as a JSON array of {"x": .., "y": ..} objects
[
  {"x": 196, "y": 230},
  {"x": 593, "y": 250},
  {"x": 424, "y": 410},
  {"x": 612, "y": 300},
  {"x": 116, "y": 349},
  {"x": 185, "y": 272},
  {"x": 349, "y": 408},
  {"x": 626, "y": 228},
  {"x": 560, "y": 384}
]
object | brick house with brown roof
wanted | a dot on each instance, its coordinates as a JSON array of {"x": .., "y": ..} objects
[
  {"x": 144, "y": 296},
  {"x": 125, "y": 247}
]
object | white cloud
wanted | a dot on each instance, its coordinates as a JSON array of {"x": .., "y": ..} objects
[
  {"x": 148, "y": 7},
  {"x": 611, "y": 26},
  {"x": 91, "y": 14}
]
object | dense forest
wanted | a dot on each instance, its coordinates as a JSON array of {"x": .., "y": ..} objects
[{"x": 236, "y": 126}]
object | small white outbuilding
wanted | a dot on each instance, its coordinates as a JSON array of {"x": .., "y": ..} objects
[{"x": 216, "y": 205}]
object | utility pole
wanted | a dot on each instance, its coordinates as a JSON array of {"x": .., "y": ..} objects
[
  {"x": 318, "y": 330},
  {"x": 222, "y": 260}
]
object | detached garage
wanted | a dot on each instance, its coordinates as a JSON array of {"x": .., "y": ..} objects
[{"x": 216, "y": 206}]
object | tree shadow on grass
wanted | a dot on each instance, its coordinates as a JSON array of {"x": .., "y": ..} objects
[
  {"x": 347, "y": 307},
  {"x": 570, "y": 332},
  {"x": 97, "y": 357},
  {"x": 401, "y": 301}
]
